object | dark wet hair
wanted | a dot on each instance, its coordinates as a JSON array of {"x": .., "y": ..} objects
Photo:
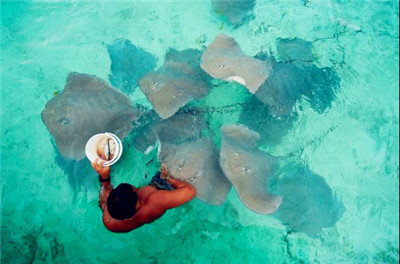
[{"x": 121, "y": 202}]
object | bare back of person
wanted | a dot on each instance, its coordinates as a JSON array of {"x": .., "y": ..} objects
[
  {"x": 151, "y": 203},
  {"x": 147, "y": 211}
]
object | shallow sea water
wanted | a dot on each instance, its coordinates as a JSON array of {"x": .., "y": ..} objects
[{"x": 353, "y": 145}]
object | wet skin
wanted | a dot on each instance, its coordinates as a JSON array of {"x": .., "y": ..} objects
[{"x": 152, "y": 203}]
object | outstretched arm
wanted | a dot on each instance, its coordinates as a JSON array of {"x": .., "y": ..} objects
[
  {"x": 183, "y": 191},
  {"x": 157, "y": 203},
  {"x": 105, "y": 181}
]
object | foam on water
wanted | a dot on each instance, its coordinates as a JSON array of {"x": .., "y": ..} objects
[{"x": 353, "y": 145}]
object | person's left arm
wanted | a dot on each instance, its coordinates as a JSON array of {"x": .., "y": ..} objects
[
  {"x": 105, "y": 182},
  {"x": 183, "y": 192}
]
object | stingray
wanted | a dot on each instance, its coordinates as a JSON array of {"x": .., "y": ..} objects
[
  {"x": 128, "y": 64},
  {"x": 144, "y": 138},
  {"x": 190, "y": 57},
  {"x": 308, "y": 203},
  {"x": 185, "y": 125},
  {"x": 87, "y": 106},
  {"x": 236, "y": 11},
  {"x": 197, "y": 162},
  {"x": 289, "y": 81},
  {"x": 258, "y": 117},
  {"x": 295, "y": 50},
  {"x": 248, "y": 168},
  {"x": 223, "y": 59},
  {"x": 282, "y": 88},
  {"x": 179, "y": 81},
  {"x": 321, "y": 86}
]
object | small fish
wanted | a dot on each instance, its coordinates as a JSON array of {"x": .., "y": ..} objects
[
  {"x": 349, "y": 25},
  {"x": 305, "y": 2},
  {"x": 107, "y": 153},
  {"x": 149, "y": 162}
]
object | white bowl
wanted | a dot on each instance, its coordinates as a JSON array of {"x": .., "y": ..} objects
[{"x": 91, "y": 148}]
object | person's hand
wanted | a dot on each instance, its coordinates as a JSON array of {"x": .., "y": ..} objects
[
  {"x": 164, "y": 171},
  {"x": 104, "y": 172}
]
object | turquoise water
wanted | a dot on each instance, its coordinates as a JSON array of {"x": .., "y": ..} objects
[{"x": 353, "y": 145}]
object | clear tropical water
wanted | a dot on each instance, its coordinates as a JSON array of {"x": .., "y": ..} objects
[{"x": 353, "y": 145}]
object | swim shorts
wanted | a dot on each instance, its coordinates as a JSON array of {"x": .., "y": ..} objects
[{"x": 160, "y": 184}]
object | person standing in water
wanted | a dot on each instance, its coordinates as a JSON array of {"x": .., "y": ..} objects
[{"x": 127, "y": 207}]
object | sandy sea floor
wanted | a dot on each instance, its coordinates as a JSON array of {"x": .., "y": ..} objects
[{"x": 354, "y": 145}]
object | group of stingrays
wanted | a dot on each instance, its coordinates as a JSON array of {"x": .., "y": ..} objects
[{"x": 89, "y": 105}]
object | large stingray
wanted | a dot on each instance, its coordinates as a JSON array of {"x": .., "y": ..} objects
[
  {"x": 197, "y": 162},
  {"x": 235, "y": 10},
  {"x": 295, "y": 50},
  {"x": 282, "y": 88},
  {"x": 223, "y": 59},
  {"x": 321, "y": 86},
  {"x": 290, "y": 80},
  {"x": 308, "y": 203},
  {"x": 178, "y": 82},
  {"x": 185, "y": 125},
  {"x": 248, "y": 168},
  {"x": 87, "y": 106},
  {"x": 128, "y": 64},
  {"x": 258, "y": 117}
]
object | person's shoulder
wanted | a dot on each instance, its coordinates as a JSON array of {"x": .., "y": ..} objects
[
  {"x": 165, "y": 200},
  {"x": 158, "y": 194},
  {"x": 156, "y": 200},
  {"x": 153, "y": 206},
  {"x": 115, "y": 225}
]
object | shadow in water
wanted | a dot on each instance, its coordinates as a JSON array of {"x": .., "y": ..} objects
[{"x": 80, "y": 173}]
